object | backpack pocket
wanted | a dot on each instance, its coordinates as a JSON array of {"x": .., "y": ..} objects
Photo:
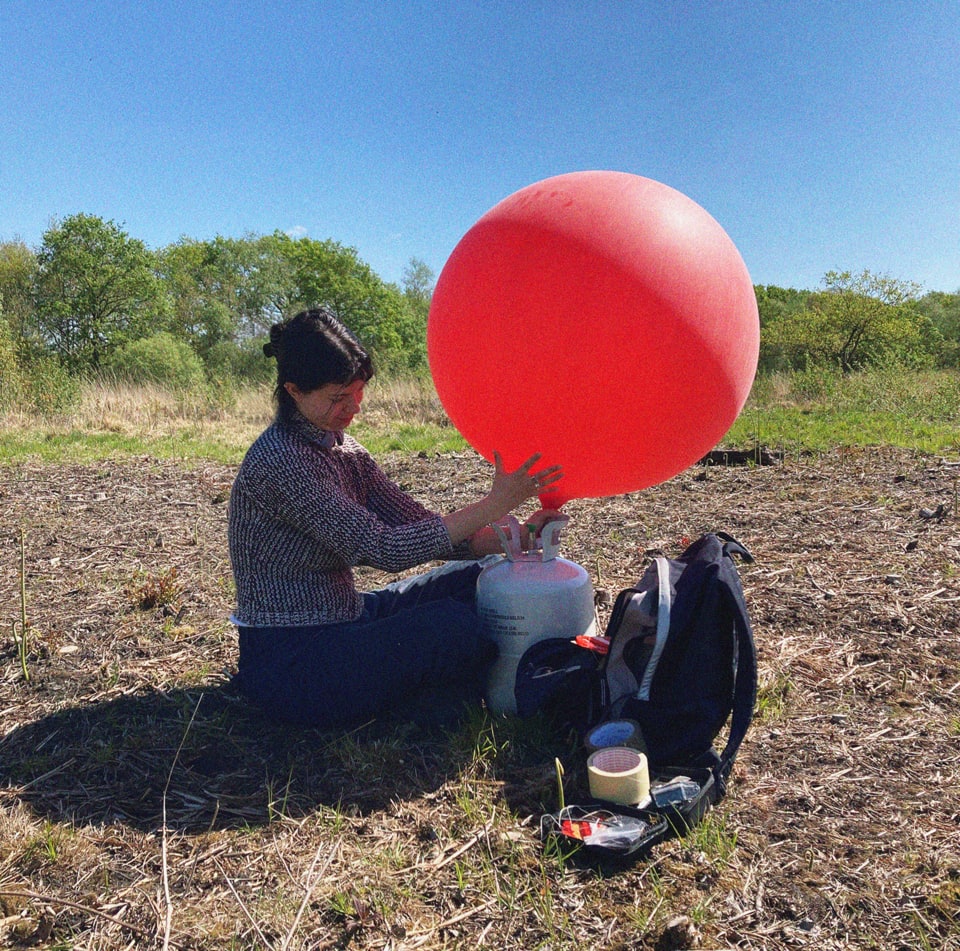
[{"x": 559, "y": 678}]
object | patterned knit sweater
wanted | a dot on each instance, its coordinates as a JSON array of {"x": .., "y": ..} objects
[{"x": 303, "y": 510}]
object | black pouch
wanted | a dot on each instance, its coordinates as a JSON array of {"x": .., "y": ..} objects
[
  {"x": 556, "y": 677},
  {"x": 679, "y": 799}
]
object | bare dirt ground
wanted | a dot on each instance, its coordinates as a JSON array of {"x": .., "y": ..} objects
[{"x": 144, "y": 805}]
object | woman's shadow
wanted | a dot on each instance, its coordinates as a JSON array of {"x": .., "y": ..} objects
[{"x": 197, "y": 759}]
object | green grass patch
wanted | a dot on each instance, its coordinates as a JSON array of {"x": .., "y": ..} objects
[
  {"x": 83, "y": 447},
  {"x": 408, "y": 437},
  {"x": 820, "y": 409},
  {"x": 820, "y": 428}
]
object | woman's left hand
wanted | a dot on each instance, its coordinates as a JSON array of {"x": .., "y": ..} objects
[{"x": 510, "y": 488}]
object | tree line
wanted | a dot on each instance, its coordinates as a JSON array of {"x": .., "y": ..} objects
[{"x": 92, "y": 300}]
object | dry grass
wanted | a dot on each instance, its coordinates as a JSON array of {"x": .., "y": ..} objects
[
  {"x": 145, "y": 805},
  {"x": 215, "y": 422},
  {"x": 389, "y": 400},
  {"x": 149, "y": 410},
  {"x": 158, "y": 410}
]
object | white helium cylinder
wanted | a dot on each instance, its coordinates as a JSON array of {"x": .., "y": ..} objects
[{"x": 522, "y": 600}]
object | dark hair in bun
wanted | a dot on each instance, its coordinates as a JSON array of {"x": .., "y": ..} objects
[{"x": 313, "y": 349}]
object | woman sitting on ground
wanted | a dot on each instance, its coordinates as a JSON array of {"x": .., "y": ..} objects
[{"x": 309, "y": 503}]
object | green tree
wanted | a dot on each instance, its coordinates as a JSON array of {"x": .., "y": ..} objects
[
  {"x": 418, "y": 283},
  {"x": 200, "y": 281},
  {"x": 943, "y": 312},
  {"x": 418, "y": 280},
  {"x": 227, "y": 291},
  {"x": 96, "y": 288},
  {"x": 268, "y": 289},
  {"x": 777, "y": 306},
  {"x": 856, "y": 320},
  {"x": 869, "y": 318},
  {"x": 18, "y": 268},
  {"x": 327, "y": 273},
  {"x": 774, "y": 302}
]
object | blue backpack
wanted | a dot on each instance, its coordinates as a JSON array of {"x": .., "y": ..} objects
[
  {"x": 676, "y": 664},
  {"x": 681, "y": 658}
]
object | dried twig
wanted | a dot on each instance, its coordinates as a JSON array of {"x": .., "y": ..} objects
[
  {"x": 86, "y": 909},
  {"x": 168, "y": 903},
  {"x": 312, "y": 879},
  {"x": 23, "y": 646},
  {"x": 243, "y": 907}
]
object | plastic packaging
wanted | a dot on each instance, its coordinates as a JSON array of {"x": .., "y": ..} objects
[
  {"x": 679, "y": 790},
  {"x": 596, "y": 828}
]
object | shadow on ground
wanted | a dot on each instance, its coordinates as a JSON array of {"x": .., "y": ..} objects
[{"x": 210, "y": 761}]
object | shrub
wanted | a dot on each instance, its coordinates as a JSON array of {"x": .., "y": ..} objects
[
  {"x": 161, "y": 359},
  {"x": 49, "y": 387},
  {"x": 11, "y": 376},
  {"x": 33, "y": 381},
  {"x": 244, "y": 361}
]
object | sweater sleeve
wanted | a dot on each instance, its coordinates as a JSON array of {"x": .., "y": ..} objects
[
  {"x": 344, "y": 503},
  {"x": 395, "y": 507}
]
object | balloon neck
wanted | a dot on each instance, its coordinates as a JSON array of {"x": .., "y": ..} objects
[{"x": 552, "y": 500}]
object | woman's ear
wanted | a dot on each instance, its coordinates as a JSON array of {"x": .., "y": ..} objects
[{"x": 292, "y": 389}]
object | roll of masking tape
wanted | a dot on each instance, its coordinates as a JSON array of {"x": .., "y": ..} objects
[
  {"x": 618, "y": 774},
  {"x": 615, "y": 733}
]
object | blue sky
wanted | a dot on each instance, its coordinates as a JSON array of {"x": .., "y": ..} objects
[{"x": 821, "y": 135}]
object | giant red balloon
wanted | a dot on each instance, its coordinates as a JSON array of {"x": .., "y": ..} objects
[{"x": 600, "y": 318}]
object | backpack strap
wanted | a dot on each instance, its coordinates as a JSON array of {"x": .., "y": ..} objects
[
  {"x": 745, "y": 686},
  {"x": 664, "y": 602},
  {"x": 732, "y": 547}
]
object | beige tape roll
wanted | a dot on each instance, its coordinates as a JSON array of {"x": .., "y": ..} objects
[
  {"x": 619, "y": 774},
  {"x": 615, "y": 733}
]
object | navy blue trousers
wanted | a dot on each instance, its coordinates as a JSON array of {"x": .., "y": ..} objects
[{"x": 416, "y": 650}]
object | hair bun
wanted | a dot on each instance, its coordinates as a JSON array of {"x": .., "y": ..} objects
[{"x": 273, "y": 348}]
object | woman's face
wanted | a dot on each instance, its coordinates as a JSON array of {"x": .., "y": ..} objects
[{"x": 331, "y": 406}]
